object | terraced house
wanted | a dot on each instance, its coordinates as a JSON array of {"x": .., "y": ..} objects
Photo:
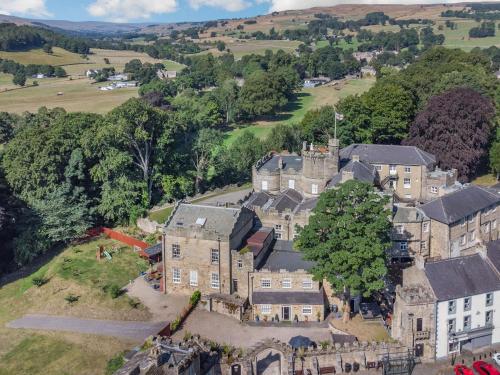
[{"x": 227, "y": 255}]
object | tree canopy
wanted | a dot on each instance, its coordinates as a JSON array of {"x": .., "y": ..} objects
[{"x": 347, "y": 237}]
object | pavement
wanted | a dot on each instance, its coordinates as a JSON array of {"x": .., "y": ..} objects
[{"x": 137, "y": 331}]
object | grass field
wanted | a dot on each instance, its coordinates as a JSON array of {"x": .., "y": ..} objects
[
  {"x": 307, "y": 99},
  {"x": 37, "y": 56},
  {"x": 78, "y": 95},
  {"x": 241, "y": 47},
  {"x": 459, "y": 38},
  {"x": 74, "y": 271}
]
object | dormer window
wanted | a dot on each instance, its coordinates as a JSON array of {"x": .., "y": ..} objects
[{"x": 201, "y": 221}]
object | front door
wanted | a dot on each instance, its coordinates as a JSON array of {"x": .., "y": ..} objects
[{"x": 285, "y": 313}]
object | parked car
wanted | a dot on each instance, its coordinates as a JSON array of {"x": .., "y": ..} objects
[
  {"x": 496, "y": 358},
  {"x": 462, "y": 370},
  {"x": 484, "y": 368}
]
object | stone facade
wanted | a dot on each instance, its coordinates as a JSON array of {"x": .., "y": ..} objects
[
  {"x": 309, "y": 173},
  {"x": 410, "y": 233}
]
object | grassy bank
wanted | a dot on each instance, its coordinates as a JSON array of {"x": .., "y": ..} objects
[{"x": 75, "y": 271}]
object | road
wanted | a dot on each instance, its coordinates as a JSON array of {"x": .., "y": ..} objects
[{"x": 125, "y": 329}]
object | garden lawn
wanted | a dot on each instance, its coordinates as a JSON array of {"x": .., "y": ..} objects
[
  {"x": 74, "y": 271},
  {"x": 459, "y": 38},
  {"x": 37, "y": 56}
]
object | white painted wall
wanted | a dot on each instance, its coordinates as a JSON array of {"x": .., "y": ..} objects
[{"x": 477, "y": 313}]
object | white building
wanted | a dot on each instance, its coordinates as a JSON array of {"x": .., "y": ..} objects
[{"x": 451, "y": 305}]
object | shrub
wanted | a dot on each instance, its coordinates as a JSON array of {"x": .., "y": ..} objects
[
  {"x": 115, "y": 291},
  {"x": 39, "y": 281},
  {"x": 133, "y": 303},
  {"x": 71, "y": 298},
  {"x": 114, "y": 364},
  {"x": 195, "y": 298},
  {"x": 175, "y": 325}
]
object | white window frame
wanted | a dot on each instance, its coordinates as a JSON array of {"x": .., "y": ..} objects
[
  {"x": 425, "y": 227},
  {"x": 393, "y": 169},
  {"x": 307, "y": 284},
  {"x": 286, "y": 283},
  {"x": 278, "y": 227},
  {"x": 266, "y": 309},
  {"x": 434, "y": 189},
  {"x": 176, "y": 251},
  {"x": 214, "y": 256},
  {"x": 452, "y": 328},
  {"x": 489, "y": 299},
  {"x": 239, "y": 263},
  {"x": 487, "y": 314},
  {"x": 407, "y": 169},
  {"x": 176, "y": 275},
  {"x": 403, "y": 246},
  {"x": 378, "y": 167},
  {"x": 307, "y": 310},
  {"x": 472, "y": 235},
  {"x": 214, "y": 280},
  {"x": 494, "y": 224},
  {"x": 467, "y": 327},
  {"x": 291, "y": 184},
  {"x": 264, "y": 185},
  {"x": 423, "y": 245},
  {"x": 467, "y": 303},
  {"x": 407, "y": 183},
  {"x": 400, "y": 228},
  {"x": 278, "y": 235},
  {"x": 470, "y": 218},
  {"x": 265, "y": 283},
  {"x": 193, "y": 278},
  {"x": 314, "y": 189},
  {"x": 452, "y": 307}
]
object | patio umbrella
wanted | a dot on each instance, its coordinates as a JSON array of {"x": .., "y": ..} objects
[{"x": 300, "y": 342}]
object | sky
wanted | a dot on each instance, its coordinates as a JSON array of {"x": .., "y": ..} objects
[{"x": 155, "y": 11}]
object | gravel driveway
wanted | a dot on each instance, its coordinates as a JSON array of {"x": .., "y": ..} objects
[{"x": 130, "y": 330}]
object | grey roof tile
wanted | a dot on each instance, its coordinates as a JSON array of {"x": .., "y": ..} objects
[
  {"x": 292, "y": 298},
  {"x": 461, "y": 277},
  {"x": 287, "y": 200},
  {"x": 220, "y": 220},
  {"x": 408, "y": 215},
  {"x": 388, "y": 154},
  {"x": 284, "y": 257},
  {"x": 362, "y": 171},
  {"x": 258, "y": 199},
  {"x": 493, "y": 251},
  {"x": 456, "y": 206},
  {"x": 289, "y": 162}
]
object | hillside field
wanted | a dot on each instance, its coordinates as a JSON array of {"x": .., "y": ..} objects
[
  {"x": 74, "y": 271},
  {"x": 307, "y": 99}
]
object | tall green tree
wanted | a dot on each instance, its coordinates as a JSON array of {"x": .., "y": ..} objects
[
  {"x": 205, "y": 147},
  {"x": 347, "y": 237}
]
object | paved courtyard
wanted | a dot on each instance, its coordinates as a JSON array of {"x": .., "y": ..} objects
[
  {"x": 163, "y": 307},
  {"x": 227, "y": 330}
]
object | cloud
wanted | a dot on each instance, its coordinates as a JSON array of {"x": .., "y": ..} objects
[
  {"x": 125, "y": 10},
  {"x": 34, "y": 8},
  {"x": 280, "y": 5},
  {"x": 229, "y": 5}
]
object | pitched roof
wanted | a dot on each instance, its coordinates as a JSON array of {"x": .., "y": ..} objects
[
  {"x": 287, "y": 200},
  {"x": 456, "y": 206},
  {"x": 220, "y": 220},
  {"x": 292, "y": 298},
  {"x": 388, "y": 154},
  {"x": 493, "y": 251},
  {"x": 258, "y": 199},
  {"x": 289, "y": 162},
  {"x": 362, "y": 171},
  {"x": 461, "y": 277},
  {"x": 408, "y": 215},
  {"x": 284, "y": 257}
]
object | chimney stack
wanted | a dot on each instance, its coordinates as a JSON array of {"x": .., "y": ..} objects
[{"x": 280, "y": 163}]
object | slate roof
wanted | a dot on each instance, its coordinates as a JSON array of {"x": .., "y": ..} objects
[
  {"x": 284, "y": 257},
  {"x": 217, "y": 219},
  {"x": 493, "y": 251},
  {"x": 362, "y": 171},
  {"x": 292, "y": 298},
  {"x": 456, "y": 206},
  {"x": 287, "y": 200},
  {"x": 289, "y": 162},
  {"x": 258, "y": 199},
  {"x": 153, "y": 250},
  {"x": 461, "y": 277},
  {"x": 408, "y": 215},
  {"x": 388, "y": 154}
]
